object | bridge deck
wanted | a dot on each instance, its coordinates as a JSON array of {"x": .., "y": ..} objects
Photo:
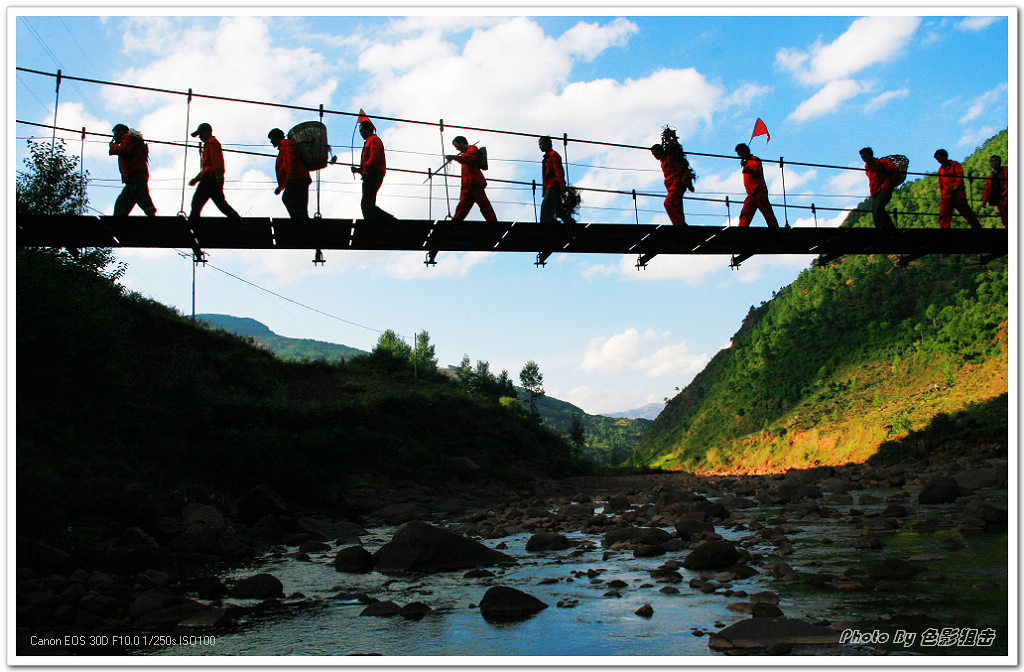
[{"x": 644, "y": 240}]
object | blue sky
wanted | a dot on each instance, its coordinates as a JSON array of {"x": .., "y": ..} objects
[{"x": 607, "y": 337}]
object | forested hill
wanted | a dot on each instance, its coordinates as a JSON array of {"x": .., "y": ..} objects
[
  {"x": 289, "y": 349},
  {"x": 851, "y": 356}
]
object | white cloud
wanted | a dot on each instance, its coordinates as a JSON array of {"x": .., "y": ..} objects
[
  {"x": 587, "y": 40},
  {"x": 747, "y": 94},
  {"x": 827, "y": 100},
  {"x": 975, "y": 23},
  {"x": 975, "y": 137},
  {"x": 883, "y": 99},
  {"x": 632, "y": 351},
  {"x": 868, "y": 40},
  {"x": 597, "y": 400},
  {"x": 995, "y": 97}
]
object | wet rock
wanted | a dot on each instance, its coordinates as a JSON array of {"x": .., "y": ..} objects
[
  {"x": 714, "y": 554},
  {"x": 756, "y": 633},
  {"x": 645, "y": 611},
  {"x": 688, "y": 528},
  {"x": 567, "y": 603},
  {"x": 381, "y": 608},
  {"x": 779, "y": 649},
  {"x": 976, "y": 479},
  {"x": 478, "y": 574},
  {"x": 314, "y": 546},
  {"x": 795, "y": 492},
  {"x": 548, "y": 541},
  {"x": 207, "y": 618},
  {"x": 258, "y": 587},
  {"x": 618, "y": 503},
  {"x": 649, "y": 551},
  {"x": 939, "y": 490},
  {"x": 207, "y": 587},
  {"x": 502, "y": 603},
  {"x": 171, "y": 616},
  {"x": 895, "y": 511},
  {"x": 419, "y": 547},
  {"x": 396, "y": 514},
  {"x": 993, "y": 517},
  {"x": 669, "y": 590},
  {"x": 764, "y": 597},
  {"x": 759, "y": 610},
  {"x": 414, "y": 610},
  {"x": 259, "y": 502},
  {"x": 354, "y": 559},
  {"x": 892, "y": 569}
]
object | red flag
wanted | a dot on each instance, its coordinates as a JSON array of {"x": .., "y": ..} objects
[
  {"x": 363, "y": 117},
  {"x": 760, "y": 129}
]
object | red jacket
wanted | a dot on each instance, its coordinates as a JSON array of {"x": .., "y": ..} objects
[
  {"x": 213, "y": 159},
  {"x": 951, "y": 178},
  {"x": 132, "y": 159},
  {"x": 551, "y": 170},
  {"x": 289, "y": 166},
  {"x": 472, "y": 176},
  {"x": 882, "y": 175},
  {"x": 997, "y": 187},
  {"x": 673, "y": 172},
  {"x": 371, "y": 161},
  {"x": 753, "y": 175}
]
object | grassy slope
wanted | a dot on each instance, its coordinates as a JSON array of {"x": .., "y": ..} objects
[
  {"x": 849, "y": 358},
  {"x": 289, "y": 349},
  {"x": 123, "y": 388},
  {"x": 609, "y": 441}
]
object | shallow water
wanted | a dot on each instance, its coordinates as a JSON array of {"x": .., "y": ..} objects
[{"x": 598, "y": 625}]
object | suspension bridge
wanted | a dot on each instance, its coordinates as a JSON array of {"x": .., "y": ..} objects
[{"x": 431, "y": 237}]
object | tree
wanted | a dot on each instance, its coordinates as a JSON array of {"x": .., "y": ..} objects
[
  {"x": 52, "y": 184},
  {"x": 577, "y": 435},
  {"x": 423, "y": 356},
  {"x": 532, "y": 381},
  {"x": 391, "y": 349}
]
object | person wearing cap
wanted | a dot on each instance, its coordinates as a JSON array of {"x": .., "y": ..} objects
[
  {"x": 292, "y": 177},
  {"x": 552, "y": 184},
  {"x": 952, "y": 194},
  {"x": 882, "y": 178},
  {"x": 133, "y": 161},
  {"x": 756, "y": 188},
  {"x": 211, "y": 176},
  {"x": 473, "y": 182},
  {"x": 372, "y": 166}
]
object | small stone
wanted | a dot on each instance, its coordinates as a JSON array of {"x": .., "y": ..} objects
[{"x": 646, "y": 611}]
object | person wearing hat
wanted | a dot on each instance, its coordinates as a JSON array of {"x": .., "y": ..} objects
[
  {"x": 372, "y": 166},
  {"x": 211, "y": 176},
  {"x": 292, "y": 177},
  {"x": 133, "y": 161}
]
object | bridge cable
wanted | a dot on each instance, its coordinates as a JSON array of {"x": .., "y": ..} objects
[
  {"x": 785, "y": 205},
  {"x": 56, "y": 105},
  {"x": 444, "y": 167},
  {"x": 184, "y": 168}
]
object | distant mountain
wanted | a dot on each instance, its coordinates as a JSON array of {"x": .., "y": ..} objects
[
  {"x": 648, "y": 412},
  {"x": 289, "y": 349}
]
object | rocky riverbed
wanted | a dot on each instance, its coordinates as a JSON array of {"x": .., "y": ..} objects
[{"x": 851, "y": 560}]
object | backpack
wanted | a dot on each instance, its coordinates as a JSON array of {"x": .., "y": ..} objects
[
  {"x": 481, "y": 157},
  {"x": 143, "y": 146},
  {"x": 902, "y": 163},
  {"x": 310, "y": 138}
]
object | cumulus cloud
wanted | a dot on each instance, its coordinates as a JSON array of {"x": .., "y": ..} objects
[
  {"x": 976, "y": 23},
  {"x": 827, "y": 100},
  {"x": 633, "y": 351},
  {"x": 995, "y": 97},
  {"x": 883, "y": 99},
  {"x": 868, "y": 40},
  {"x": 615, "y": 399}
]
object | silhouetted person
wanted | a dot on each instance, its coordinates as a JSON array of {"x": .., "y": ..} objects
[
  {"x": 133, "y": 161},
  {"x": 372, "y": 166},
  {"x": 997, "y": 188},
  {"x": 756, "y": 188},
  {"x": 292, "y": 177},
  {"x": 882, "y": 176},
  {"x": 473, "y": 182},
  {"x": 552, "y": 185},
  {"x": 675, "y": 183},
  {"x": 952, "y": 194},
  {"x": 211, "y": 176}
]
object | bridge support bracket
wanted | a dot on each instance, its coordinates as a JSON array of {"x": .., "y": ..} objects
[
  {"x": 318, "y": 258},
  {"x": 641, "y": 261},
  {"x": 430, "y": 259},
  {"x": 542, "y": 259},
  {"x": 737, "y": 259},
  {"x": 824, "y": 260},
  {"x": 199, "y": 257}
]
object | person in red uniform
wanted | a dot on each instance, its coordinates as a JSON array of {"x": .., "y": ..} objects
[
  {"x": 757, "y": 190},
  {"x": 953, "y": 195},
  {"x": 675, "y": 184},
  {"x": 473, "y": 182},
  {"x": 997, "y": 188},
  {"x": 292, "y": 177},
  {"x": 553, "y": 184},
  {"x": 211, "y": 176},
  {"x": 133, "y": 161},
  {"x": 882, "y": 175},
  {"x": 372, "y": 166}
]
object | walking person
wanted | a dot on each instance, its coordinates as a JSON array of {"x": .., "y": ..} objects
[
  {"x": 997, "y": 188},
  {"x": 952, "y": 194},
  {"x": 292, "y": 177},
  {"x": 552, "y": 185},
  {"x": 372, "y": 166},
  {"x": 211, "y": 176},
  {"x": 676, "y": 182},
  {"x": 882, "y": 176},
  {"x": 473, "y": 182},
  {"x": 132, "y": 154},
  {"x": 756, "y": 188}
]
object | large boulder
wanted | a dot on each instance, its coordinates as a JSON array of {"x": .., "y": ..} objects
[
  {"x": 756, "y": 633},
  {"x": 355, "y": 559},
  {"x": 258, "y": 587},
  {"x": 712, "y": 554},
  {"x": 501, "y": 603},
  {"x": 939, "y": 490},
  {"x": 548, "y": 541},
  {"x": 420, "y": 547}
]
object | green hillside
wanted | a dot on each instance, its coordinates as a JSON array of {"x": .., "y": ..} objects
[
  {"x": 288, "y": 349},
  {"x": 115, "y": 388},
  {"x": 851, "y": 356}
]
